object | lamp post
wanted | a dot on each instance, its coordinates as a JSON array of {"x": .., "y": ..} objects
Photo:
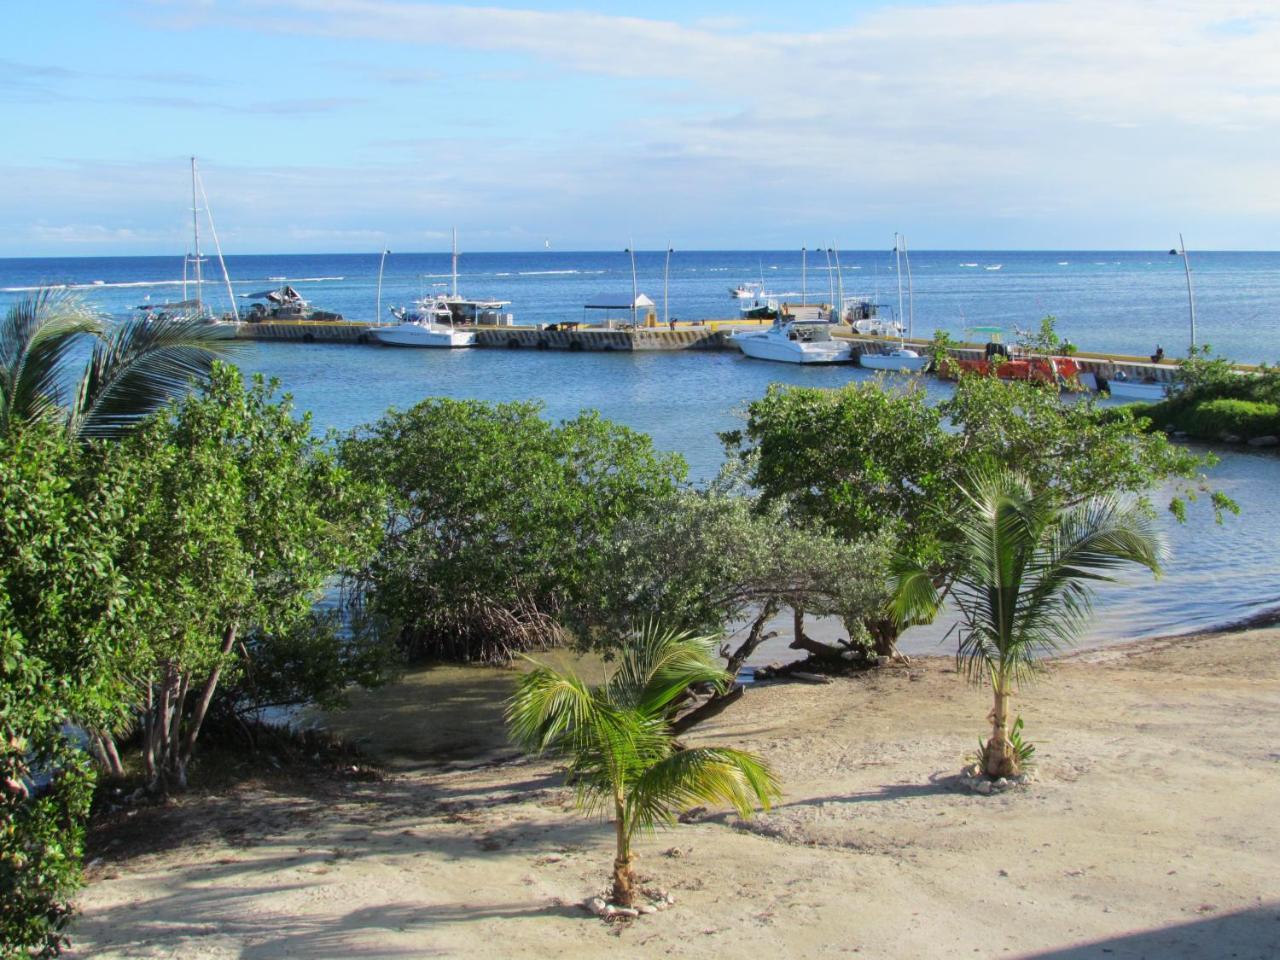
[
  {"x": 377, "y": 315},
  {"x": 831, "y": 281},
  {"x": 897, "y": 268},
  {"x": 1191, "y": 299},
  {"x": 911, "y": 296},
  {"x": 666, "y": 273},
  {"x": 804, "y": 277},
  {"x": 635, "y": 293},
  {"x": 839, "y": 286}
]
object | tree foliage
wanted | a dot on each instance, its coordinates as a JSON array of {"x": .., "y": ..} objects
[
  {"x": 622, "y": 756},
  {"x": 63, "y": 617},
  {"x": 243, "y": 516},
  {"x": 872, "y": 459},
  {"x": 498, "y": 521},
  {"x": 704, "y": 559}
]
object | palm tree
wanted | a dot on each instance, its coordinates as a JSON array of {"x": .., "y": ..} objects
[
  {"x": 1023, "y": 572},
  {"x": 617, "y": 739},
  {"x": 131, "y": 368}
]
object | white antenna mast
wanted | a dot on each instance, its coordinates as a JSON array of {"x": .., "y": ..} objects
[{"x": 455, "y": 263}]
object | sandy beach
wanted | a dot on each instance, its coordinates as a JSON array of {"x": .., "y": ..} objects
[{"x": 1152, "y": 830}]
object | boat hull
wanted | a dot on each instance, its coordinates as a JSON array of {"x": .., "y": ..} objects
[
  {"x": 885, "y": 361},
  {"x": 412, "y": 335},
  {"x": 762, "y": 347},
  {"x": 1128, "y": 390}
]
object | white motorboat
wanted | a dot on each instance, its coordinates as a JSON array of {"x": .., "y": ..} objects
[
  {"x": 429, "y": 324},
  {"x": 898, "y": 360},
  {"x": 747, "y": 291},
  {"x": 796, "y": 341},
  {"x": 1124, "y": 389}
]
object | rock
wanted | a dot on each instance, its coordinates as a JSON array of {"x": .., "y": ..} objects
[
  {"x": 882, "y": 661},
  {"x": 983, "y": 787},
  {"x": 693, "y": 815},
  {"x": 1179, "y": 435},
  {"x": 1268, "y": 441},
  {"x": 1228, "y": 438},
  {"x": 611, "y": 912},
  {"x": 1004, "y": 873},
  {"x": 646, "y": 908},
  {"x": 596, "y": 905},
  {"x": 670, "y": 898},
  {"x": 1002, "y": 784}
]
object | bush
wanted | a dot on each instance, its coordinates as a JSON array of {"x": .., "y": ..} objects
[
  {"x": 1211, "y": 419},
  {"x": 498, "y": 521}
]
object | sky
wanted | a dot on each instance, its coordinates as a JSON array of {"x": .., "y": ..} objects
[{"x": 354, "y": 125}]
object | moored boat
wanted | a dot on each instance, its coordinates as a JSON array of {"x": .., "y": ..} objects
[
  {"x": 430, "y": 323},
  {"x": 899, "y": 360},
  {"x": 1122, "y": 388},
  {"x": 795, "y": 341}
]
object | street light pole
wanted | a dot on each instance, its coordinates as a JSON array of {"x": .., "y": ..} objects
[
  {"x": 839, "y": 286},
  {"x": 377, "y": 316},
  {"x": 666, "y": 273},
  {"x": 635, "y": 293},
  {"x": 804, "y": 277},
  {"x": 831, "y": 281},
  {"x": 1191, "y": 298}
]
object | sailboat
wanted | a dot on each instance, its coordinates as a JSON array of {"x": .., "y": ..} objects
[
  {"x": 193, "y": 264},
  {"x": 901, "y": 359}
]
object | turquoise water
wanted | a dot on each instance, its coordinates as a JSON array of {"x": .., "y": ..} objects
[
  {"x": 1217, "y": 575},
  {"x": 1122, "y": 302}
]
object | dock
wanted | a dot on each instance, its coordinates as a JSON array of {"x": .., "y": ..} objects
[{"x": 684, "y": 335}]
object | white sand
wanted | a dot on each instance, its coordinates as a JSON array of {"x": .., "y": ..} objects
[{"x": 1153, "y": 831}]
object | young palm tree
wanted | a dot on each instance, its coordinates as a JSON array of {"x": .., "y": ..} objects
[
  {"x": 131, "y": 368},
  {"x": 618, "y": 743},
  {"x": 1024, "y": 568}
]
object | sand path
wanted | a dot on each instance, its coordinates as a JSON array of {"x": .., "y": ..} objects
[{"x": 1153, "y": 831}]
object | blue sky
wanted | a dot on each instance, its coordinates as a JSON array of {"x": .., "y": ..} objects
[{"x": 344, "y": 125}]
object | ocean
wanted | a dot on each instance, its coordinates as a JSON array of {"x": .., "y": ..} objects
[{"x": 1115, "y": 302}]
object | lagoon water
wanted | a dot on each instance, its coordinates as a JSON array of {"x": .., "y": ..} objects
[{"x": 1122, "y": 302}]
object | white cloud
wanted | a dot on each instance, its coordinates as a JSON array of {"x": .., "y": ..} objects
[{"x": 1043, "y": 112}]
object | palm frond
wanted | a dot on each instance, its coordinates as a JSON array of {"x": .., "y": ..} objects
[
  {"x": 37, "y": 336},
  {"x": 659, "y": 664},
  {"x": 709, "y": 775},
  {"x": 138, "y": 366},
  {"x": 547, "y": 707}
]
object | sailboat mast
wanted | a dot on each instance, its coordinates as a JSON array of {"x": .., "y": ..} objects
[
  {"x": 195, "y": 230},
  {"x": 911, "y": 297},
  {"x": 455, "y": 263}
]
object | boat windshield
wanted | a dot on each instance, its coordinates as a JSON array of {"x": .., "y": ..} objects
[{"x": 810, "y": 332}]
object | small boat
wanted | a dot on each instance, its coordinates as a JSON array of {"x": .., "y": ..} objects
[
  {"x": 898, "y": 360},
  {"x": 747, "y": 291},
  {"x": 1122, "y": 388},
  {"x": 795, "y": 341},
  {"x": 759, "y": 310},
  {"x": 429, "y": 324},
  {"x": 284, "y": 304}
]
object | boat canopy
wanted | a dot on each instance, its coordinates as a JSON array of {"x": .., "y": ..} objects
[{"x": 612, "y": 301}]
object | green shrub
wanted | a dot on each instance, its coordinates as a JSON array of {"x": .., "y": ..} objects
[{"x": 1211, "y": 419}]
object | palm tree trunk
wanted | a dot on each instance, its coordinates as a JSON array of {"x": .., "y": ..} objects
[
  {"x": 1000, "y": 758},
  {"x": 624, "y": 878}
]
